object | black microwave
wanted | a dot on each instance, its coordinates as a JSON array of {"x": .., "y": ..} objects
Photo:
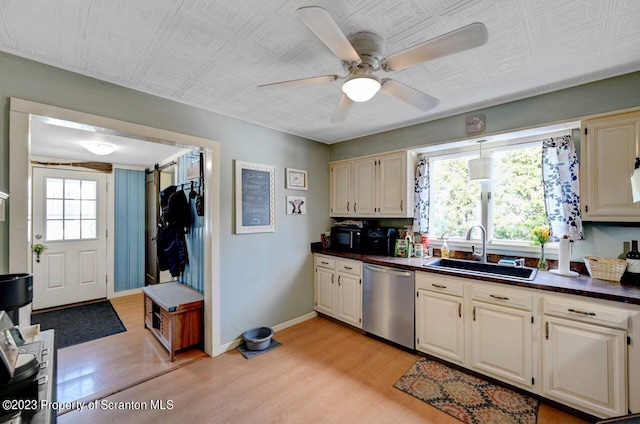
[{"x": 348, "y": 239}]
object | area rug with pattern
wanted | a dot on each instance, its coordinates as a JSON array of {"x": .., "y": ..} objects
[
  {"x": 80, "y": 324},
  {"x": 470, "y": 399}
]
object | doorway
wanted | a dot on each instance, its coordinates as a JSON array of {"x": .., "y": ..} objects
[{"x": 21, "y": 113}]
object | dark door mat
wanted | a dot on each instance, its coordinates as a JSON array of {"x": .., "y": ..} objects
[
  {"x": 470, "y": 399},
  {"x": 253, "y": 353},
  {"x": 80, "y": 324}
]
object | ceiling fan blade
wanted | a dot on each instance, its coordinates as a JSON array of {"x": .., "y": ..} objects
[
  {"x": 343, "y": 107},
  {"x": 461, "y": 39},
  {"x": 409, "y": 95},
  {"x": 302, "y": 82},
  {"x": 325, "y": 28}
]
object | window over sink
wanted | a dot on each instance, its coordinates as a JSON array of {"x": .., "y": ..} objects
[{"x": 508, "y": 206}]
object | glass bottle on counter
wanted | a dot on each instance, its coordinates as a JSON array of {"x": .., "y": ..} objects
[{"x": 632, "y": 274}]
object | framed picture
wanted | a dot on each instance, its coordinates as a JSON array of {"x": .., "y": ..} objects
[
  {"x": 255, "y": 197},
  {"x": 296, "y": 205},
  {"x": 295, "y": 179}
]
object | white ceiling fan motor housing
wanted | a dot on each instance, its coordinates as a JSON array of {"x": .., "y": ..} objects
[{"x": 370, "y": 47}]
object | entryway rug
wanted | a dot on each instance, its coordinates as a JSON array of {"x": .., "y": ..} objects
[
  {"x": 253, "y": 353},
  {"x": 80, "y": 324},
  {"x": 470, "y": 399}
]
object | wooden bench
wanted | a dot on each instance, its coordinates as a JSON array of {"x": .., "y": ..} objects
[{"x": 173, "y": 314}]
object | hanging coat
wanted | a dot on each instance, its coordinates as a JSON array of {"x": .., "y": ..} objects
[{"x": 174, "y": 223}]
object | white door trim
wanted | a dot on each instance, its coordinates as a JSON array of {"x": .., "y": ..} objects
[{"x": 19, "y": 181}]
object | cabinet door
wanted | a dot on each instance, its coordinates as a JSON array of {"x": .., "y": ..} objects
[
  {"x": 325, "y": 291},
  {"x": 364, "y": 187},
  {"x": 392, "y": 186},
  {"x": 349, "y": 299},
  {"x": 340, "y": 201},
  {"x": 585, "y": 366},
  {"x": 501, "y": 343},
  {"x": 607, "y": 162},
  {"x": 440, "y": 325}
]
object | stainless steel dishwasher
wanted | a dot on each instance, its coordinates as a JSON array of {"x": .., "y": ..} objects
[{"x": 388, "y": 305}]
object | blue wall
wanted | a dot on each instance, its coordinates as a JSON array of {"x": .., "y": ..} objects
[
  {"x": 129, "y": 207},
  {"x": 193, "y": 274}
]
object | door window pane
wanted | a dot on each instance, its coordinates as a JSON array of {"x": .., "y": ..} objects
[
  {"x": 70, "y": 209},
  {"x": 88, "y": 229},
  {"x": 89, "y": 189},
  {"x": 72, "y": 189},
  {"x": 55, "y": 209},
  {"x": 55, "y": 188},
  {"x": 88, "y": 209},
  {"x": 54, "y": 231},
  {"x": 71, "y": 229}
]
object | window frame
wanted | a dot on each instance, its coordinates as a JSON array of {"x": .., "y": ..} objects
[{"x": 486, "y": 189}]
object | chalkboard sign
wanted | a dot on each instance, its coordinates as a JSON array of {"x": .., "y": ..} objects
[{"x": 255, "y": 194}]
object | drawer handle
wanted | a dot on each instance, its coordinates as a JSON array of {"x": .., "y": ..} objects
[
  {"x": 325, "y": 263},
  {"x": 575, "y": 311},
  {"x": 498, "y": 297},
  {"x": 440, "y": 286},
  {"x": 347, "y": 267}
]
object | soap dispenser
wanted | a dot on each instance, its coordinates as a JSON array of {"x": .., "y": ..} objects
[{"x": 444, "y": 250}]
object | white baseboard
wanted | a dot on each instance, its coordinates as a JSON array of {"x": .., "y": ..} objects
[{"x": 279, "y": 327}]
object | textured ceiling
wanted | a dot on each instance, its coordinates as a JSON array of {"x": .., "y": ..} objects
[{"x": 212, "y": 54}]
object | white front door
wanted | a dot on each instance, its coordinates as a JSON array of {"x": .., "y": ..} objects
[{"x": 69, "y": 219}]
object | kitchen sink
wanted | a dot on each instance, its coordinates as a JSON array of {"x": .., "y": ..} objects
[{"x": 492, "y": 270}]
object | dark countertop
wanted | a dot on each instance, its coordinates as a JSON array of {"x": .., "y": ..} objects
[{"x": 581, "y": 286}]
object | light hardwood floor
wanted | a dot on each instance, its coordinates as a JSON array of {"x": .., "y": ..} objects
[
  {"x": 100, "y": 367},
  {"x": 323, "y": 372}
]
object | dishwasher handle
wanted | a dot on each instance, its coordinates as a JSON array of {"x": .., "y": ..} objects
[{"x": 388, "y": 270}]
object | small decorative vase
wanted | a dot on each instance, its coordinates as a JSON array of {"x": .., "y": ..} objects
[{"x": 543, "y": 264}]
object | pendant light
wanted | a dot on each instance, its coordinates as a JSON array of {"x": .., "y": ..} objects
[{"x": 480, "y": 168}]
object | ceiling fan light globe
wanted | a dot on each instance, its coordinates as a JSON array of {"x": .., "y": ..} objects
[{"x": 361, "y": 88}]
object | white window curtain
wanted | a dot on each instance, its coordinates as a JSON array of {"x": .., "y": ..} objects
[
  {"x": 562, "y": 187},
  {"x": 421, "y": 208}
]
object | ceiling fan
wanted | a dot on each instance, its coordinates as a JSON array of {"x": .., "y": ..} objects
[{"x": 362, "y": 56}]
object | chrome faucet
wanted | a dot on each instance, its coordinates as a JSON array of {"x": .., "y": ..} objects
[{"x": 483, "y": 256}]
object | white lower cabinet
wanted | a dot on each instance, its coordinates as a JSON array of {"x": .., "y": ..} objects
[
  {"x": 349, "y": 299},
  {"x": 567, "y": 348},
  {"x": 338, "y": 288},
  {"x": 585, "y": 362},
  {"x": 501, "y": 343},
  {"x": 439, "y": 317}
]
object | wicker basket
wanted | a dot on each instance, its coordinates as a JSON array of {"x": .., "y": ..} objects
[{"x": 605, "y": 268}]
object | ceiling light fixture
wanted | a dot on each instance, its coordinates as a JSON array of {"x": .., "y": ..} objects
[
  {"x": 480, "y": 169},
  {"x": 361, "y": 87},
  {"x": 100, "y": 149}
]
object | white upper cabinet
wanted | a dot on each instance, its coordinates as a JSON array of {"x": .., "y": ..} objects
[
  {"x": 340, "y": 196},
  {"x": 608, "y": 151},
  {"x": 376, "y": 186}
]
